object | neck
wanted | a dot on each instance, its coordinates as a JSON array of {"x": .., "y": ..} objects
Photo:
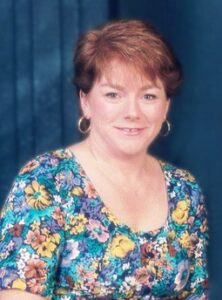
[{"x": 128, "y": 166}]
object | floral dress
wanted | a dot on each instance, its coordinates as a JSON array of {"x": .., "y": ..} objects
[{"x": 60, "y": 241}]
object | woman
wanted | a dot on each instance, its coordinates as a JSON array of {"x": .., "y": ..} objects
[{"x": 104, "y": 219}]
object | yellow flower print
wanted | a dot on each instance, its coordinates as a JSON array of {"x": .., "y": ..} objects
[
  {"x": 172, "y": 234},
  {"x": 67, "y": 227},
  {"x": 121, "y": 246},
  {"x": 49, "y": 245},
  {"x": 164, "y": 249},
  {"x": 180, "y": 214},
  {"x": 151, "y": 267},
  {"x": 183, "y": 295},
  {"x": 37, "y": 196},
  {"x": 19, "y": 284},
  {"x": 185, "y": 240},
  {"x": 183, "y": 205},
  {"x": 60, "y": 291},
  {"x": 110, "y": 216},
  {"x": 77, "y": 191},
  {"x": 45, "y": 231},
  {"x": 129, "y": 294},
  {"x": 185, "y": 174},
  {"x": 106, "y": 259},
  {"x": 96, "y": 291},
  {"x": 80, "y": 218},
  {"x": 190, "y": 177},
  {"x": 95, "y": 264},
  {"x": 46, "y": 248},
  {"x": 55, "y": 238},
  {"x": 77, "y": 224},
  {"x": 59, "y": 154},
  {"x": 35, "y": 225},
  {"x": 77, "y": 229}
]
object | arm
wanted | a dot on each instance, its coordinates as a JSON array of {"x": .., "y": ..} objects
[
  {"x": 16, "y": 294},
  {"x": 31, "y": 235},
  {"x": 197, "y": 287}
]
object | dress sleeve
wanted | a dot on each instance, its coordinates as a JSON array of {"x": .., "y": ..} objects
[
  {"x": 31, "y": 233},
  {"x": 197, "y": 286}
]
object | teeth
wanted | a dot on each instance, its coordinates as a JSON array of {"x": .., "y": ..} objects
[{"x": 131, "y": 129}]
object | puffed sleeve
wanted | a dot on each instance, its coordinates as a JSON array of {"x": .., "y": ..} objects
[
  {"x": 31, "y": 232},
  {"x": 197, "y": 286}
]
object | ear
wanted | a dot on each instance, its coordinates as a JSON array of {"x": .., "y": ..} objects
[{"x": 84, "y": 104}]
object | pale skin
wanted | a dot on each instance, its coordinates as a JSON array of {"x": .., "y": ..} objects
[
  {"x": 126, "y": 111},
  {"x": 16, "y": 294},
  {"x": 120, "y": 100}
]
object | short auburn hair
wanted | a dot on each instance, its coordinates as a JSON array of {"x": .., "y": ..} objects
[{"x": 132, "y": 41}]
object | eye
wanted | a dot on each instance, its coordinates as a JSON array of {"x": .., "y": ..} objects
[
  {"x": 149, "y": 97},
  {"x": 111, "y": 95}
]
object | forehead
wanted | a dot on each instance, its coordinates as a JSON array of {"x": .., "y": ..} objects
[{"x": 117, "y": 72}]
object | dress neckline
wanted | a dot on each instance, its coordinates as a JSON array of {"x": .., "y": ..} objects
[{"x": 154, "y": 232}]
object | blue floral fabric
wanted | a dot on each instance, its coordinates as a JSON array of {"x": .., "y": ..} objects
[{"x": 59, "y": 240}]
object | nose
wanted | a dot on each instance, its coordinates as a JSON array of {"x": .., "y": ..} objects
[{"x": 132, "y": 109}]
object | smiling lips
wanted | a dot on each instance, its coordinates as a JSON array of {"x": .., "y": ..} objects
[{"x": 130, "y": 131}]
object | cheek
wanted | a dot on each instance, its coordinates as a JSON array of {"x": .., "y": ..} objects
[
  {"x": 156, "y": 114},
  {"x": 104, "y": 111}
]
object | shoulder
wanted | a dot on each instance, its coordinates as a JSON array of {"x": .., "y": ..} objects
[
  {"x": 33, "y": 221},
  {"x": 183, "y": 185},
  {"x": 187, "y": 200},
  {"x": 42, "y": 180},
  {"x": 48, "y": 162},
  {"x": 179, "y": 175},
  {"x": 49, "y": 167},
  {"x": 42, "y": 187}
]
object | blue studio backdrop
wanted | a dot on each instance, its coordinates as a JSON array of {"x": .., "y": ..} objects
[{"x": 39, "y": 108}]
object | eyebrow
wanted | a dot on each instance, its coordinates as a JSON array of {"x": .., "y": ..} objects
[
  {"x": 115, "y": 86},
  {"x": 149, "y": 86},
  {"x": 119, "y": 87}
]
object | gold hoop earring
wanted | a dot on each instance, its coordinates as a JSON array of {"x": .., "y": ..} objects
[
  {"x": 165, "y": 127},
  {"x": 84, "y": 125}
]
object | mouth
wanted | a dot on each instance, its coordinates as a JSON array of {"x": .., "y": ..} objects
[{"x": 130, "y": 131}]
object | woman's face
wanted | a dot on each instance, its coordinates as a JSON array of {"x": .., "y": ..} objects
[{"x": 126, "y": 110}]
